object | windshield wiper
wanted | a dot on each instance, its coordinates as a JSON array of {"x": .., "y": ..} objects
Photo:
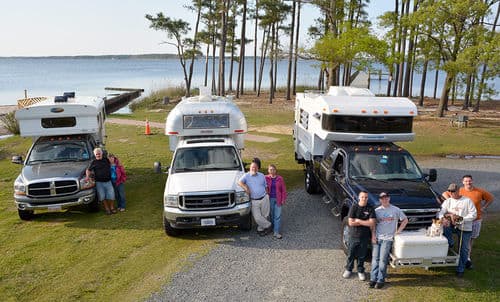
[
  {"x": 405, "y": 179},
  {"x": 367, "y": 178},
  {"x": 186, "y": 169}
]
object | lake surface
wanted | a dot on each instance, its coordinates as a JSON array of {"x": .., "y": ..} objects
[{"x": 89, "y": 76}]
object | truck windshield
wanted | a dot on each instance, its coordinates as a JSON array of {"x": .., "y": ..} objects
[
  {"x": 206, "y": 158},
  {"x": 50, "y": 151},
  {"x": 384, "y": 166}
]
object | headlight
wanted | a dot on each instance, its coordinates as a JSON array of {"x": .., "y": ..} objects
[
  {"x": 171, "y": 201},
  {"x": 19, "y": 186},
  {"x": 86, "y": 184},
  {"x": 241, "y": 197}
]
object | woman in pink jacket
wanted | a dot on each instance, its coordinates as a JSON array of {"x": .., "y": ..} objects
[
  {"x": 118, "y": 178},
  {"x": 277, "y": 197}
]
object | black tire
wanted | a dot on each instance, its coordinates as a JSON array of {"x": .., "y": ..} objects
[
  {"x": 169, "y": 230},
  {"x": 246, "y": 223},
  {"x": 310, "y": 182},
  {"x": 344, "y": 234},
  {"x": 26, "y": 215}
]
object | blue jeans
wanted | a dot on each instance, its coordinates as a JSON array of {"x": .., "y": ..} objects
[
  {"x": 275, "y": 215},
  {"x": 357, "y": 249},
  {"x": 105, "y": 190},
  {"x": 464, "y": 245},
  {"x": 380, "y": 258},
  {"x": 120, "y": 195}
]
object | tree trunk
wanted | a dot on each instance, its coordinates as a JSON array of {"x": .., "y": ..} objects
[
  {"x": 296, "y": 55},
  {"x": 195, "y": 44},
  {"x": 443, "y": 101},
  {"x": 436, "y": 79},
  {"x": 255, "y": 46},
  {"x": 290, "y": 56},
  {"x": 241, "y": 65},
  {"x": 467, "y": 92},
  {"x": 222, "y": 48},
  {"x": 422, "y": 83}
]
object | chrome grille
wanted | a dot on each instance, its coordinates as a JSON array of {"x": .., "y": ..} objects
[
  {"x": 52, "y": 188},
  {"x": 207, "y": 201},
  {"x": 418, "y": 219}
]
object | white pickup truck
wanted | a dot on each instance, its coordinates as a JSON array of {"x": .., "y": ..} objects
[{"x": 206, "y": 135}]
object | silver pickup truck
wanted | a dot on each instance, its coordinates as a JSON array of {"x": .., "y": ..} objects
[{"x": 53, "y": 175}]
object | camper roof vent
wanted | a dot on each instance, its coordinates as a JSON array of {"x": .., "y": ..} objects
[
  {"x": 69, "y": 94},
  {"x": 60, "y": 99}
]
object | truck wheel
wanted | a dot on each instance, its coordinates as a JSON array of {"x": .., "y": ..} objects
[
  {"x": 26, "y": 215},
  {"x": 246, "y": 224},
  {"x": 345, "y": 234},
  {"x": 310, "y": 182},
  {"x": 169, "y": 230},
  {"x": 93, "y": 207}
]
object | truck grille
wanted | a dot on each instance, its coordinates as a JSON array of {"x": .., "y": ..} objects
[
  {"x": 418, "y": 219},
  {"x": 207, "y": 201},
  {"x": 52, "y": 188}
]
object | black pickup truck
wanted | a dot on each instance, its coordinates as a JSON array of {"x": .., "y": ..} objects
[{"x": 347, "y": 168}]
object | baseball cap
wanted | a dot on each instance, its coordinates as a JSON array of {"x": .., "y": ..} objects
[
  {"x": 452, "y": 187},
  {"x": 383, "y": 194}
]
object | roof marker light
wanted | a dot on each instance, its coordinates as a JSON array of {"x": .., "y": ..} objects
[
  {"x": 324, "y": 109},
  {"x": 370, "y": 149},
  {"x": 239, "y": 131},
  {"x": 363, "y": 111},
  {"x": 412, "y": 112},
  {"x": 172, "y": 132},
  {"x": 375, "y": 111},
  {"x": 386, "y": 112},
  {"x": 335, "y": 110}
]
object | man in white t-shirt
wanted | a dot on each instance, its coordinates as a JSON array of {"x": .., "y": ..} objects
[
  {"x": 388, "y": 217},
  {"x": 460, "y": 213}
]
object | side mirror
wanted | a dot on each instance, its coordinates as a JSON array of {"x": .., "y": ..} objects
[
  {"x": 157, "y": 167},
  {"x": 432, "y": 175},
  {"x": 17, "y": 159}
]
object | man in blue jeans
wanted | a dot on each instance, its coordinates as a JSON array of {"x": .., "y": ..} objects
[
  {"x": 361, "y": 220},
  {"x": 388, "y": 217},
  {"x": 460, "y": 212}
]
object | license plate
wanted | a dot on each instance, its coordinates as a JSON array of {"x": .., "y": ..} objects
[
  {"x": 53, "y": 208},
  {"x": 207, "y": 221}
]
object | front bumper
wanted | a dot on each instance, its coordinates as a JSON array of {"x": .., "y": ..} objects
[
  {"x": 56, "y": 203},
  {"x": 182, "y": 219}
]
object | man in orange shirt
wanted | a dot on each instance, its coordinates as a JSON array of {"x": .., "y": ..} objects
[{"x": 481, "y": 199}]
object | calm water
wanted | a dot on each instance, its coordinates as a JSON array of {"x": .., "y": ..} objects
[{"x": 44, "y": 76}]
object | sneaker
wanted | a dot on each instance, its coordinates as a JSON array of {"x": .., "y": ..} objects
[
  {"x": 121, "y": 209},
  {"x": 277, "y": 236},
  {"x": 372, "y": 284},
  {"x": 346, "y": 274},
  {"x": 361, "y": 276},
  {"x": 468, "y": 264},
  {"x": 379, "y": 285}
]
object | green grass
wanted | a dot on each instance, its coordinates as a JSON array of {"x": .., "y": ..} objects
[{"x": 75, "y": 255}]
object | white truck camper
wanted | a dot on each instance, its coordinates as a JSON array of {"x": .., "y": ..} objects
[
  {"x": 64, "y": 129},
  {"x": 206, "y": 134},
  {"x": 345, "y": 139}
]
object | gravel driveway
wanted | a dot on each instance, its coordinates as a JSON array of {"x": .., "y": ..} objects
[{"x": 306, "y": 265}]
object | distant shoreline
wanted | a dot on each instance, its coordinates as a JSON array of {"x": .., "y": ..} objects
[{"x": 119, "y": 57}]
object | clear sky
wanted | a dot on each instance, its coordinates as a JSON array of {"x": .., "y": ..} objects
[{"x": 97, "y": 27}]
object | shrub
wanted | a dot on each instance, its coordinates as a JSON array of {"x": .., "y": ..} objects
[
  {"x": 155, "y": 99},
  {"x": 10, "y": 123}
]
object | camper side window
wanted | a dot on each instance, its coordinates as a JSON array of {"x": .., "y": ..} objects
[{"x": 58, "y": 122}]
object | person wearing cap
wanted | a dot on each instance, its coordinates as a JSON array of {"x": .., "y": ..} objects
[
  {"x": 461, "y": 212},
  {"x": 388, "y": 217},
  {"x": 481, "y": 199},
  {"x": 361, "y": 221}
]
